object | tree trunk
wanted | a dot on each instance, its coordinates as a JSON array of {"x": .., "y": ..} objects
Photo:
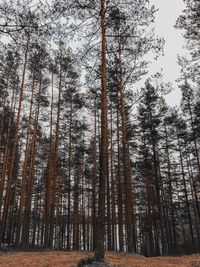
[
  {"x": 25, "y": 171},
  {"x": 103, "y": 172},
  {"x": 126, "y": 167},
  {"x": 10, "y": 173}
]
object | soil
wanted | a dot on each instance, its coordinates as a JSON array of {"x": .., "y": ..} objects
[{"x": 70, "y": 259}]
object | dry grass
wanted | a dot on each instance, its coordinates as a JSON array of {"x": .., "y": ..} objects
[
  {"x": 139, "y": 261},
  {"x": 70, "y": 259}
]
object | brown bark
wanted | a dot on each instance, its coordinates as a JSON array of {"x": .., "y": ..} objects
[
  {"x": 94, "y": 174},
  {"x": 69, "y": 180},
  {"x": 114, "y": 233},
  {"x": 52, "y": 171},
  {"x": 27, "y": 211},
  {"x": 10, "y": 173},
  {"x": 126, "y": 164},
  {"x": 6, "y": 151},
  {"x": 103, "y": 172},
  {"x": 25, "y": 171},
  {"x": 120, "y": 189},
  {"x": 49, "y": 172},
  {"x": 55, "y": 163}
]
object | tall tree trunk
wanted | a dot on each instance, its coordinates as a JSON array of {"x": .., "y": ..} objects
[
  {"x": 171, "y": 193},
  {"x": 103, "y": 172},
  {"x": 6, "y": 150},
  {"x": 10, "y": 173},
  {"x": 55, "y": 163},
  {"x": 27, "y": 212},
  {"x": 69, "y": 179},
  {"x": 126, "y": 169},
  {"x": 149, "y": 198},
  {"x": 185, "y": 192},
  {"x": 114, "y": 243},
  {"x": 157, "y": 184},
  {"x": 120, "y": 188},
  {"x": 94, "y": 176},
  {"x": 49, "y": 172},
  {"x": 25, "y": 171}
]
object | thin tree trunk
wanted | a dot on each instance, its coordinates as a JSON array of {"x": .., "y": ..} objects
[
  {"x": 185, "y": 192},
  {"x": 6, "y": 151},
  {"x": 94, "y": 174},
  {"x": 55, "y": 163},
  {"x": 27, "y": 212},
  {"x": 10, "y": 173},
  {"x": 103, "y": 172},
  {"x": 69, "y": 181},
  {"x": 25, "y": 171},
  {"x": 49, "y": 172},
  {"x": 171, "y": 193},
  {"x": 126, "y": 169},
  {"x": 114, "y": 245},
  {"x": 120, "y": 190}
]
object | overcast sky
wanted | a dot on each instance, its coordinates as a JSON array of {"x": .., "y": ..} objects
[
  {"x": 165, "y": 19},
  {"x": 166, "y": 16}
]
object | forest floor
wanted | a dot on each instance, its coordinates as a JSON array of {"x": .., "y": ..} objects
[{"x": 70, "y": 259}]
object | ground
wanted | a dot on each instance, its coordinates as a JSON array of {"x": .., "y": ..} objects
[{"x": 70, "y": 259}]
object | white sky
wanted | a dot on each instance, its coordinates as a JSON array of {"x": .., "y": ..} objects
[
  {"x": 166, "y": 16},
  {"x": 165, "y": 19}
]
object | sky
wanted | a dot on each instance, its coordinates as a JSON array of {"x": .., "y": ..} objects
[{"x": 165, "y": 19}]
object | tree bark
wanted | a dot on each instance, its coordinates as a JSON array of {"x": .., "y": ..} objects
[
  {"x": 103, "y": 172},
  {"x": 10, "y": 173}
]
